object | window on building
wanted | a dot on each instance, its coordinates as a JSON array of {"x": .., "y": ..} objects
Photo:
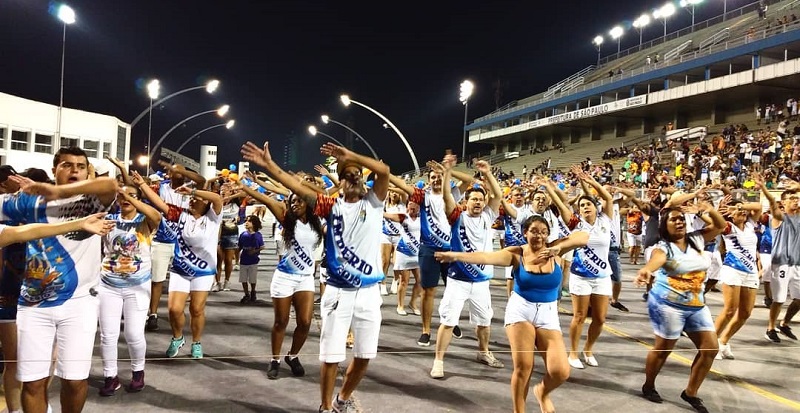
[
  {"x": 43, "y": 144},
  {"x": 68, "y": 142},
  {"x": 121, "y": 141},
  {"x": 106, "y": 149},
  {"x": 3, "y": 137},
  {"x": 91, "y": 148},
  {"x": 19, "y": 140}
]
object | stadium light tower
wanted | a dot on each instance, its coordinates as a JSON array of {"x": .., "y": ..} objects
[
  {"x": 67, "y": 16},
  {"x": 313, "y": 131},
  {"x": 616, "y": 34},
  {"x": 689, "y": 6},
  {"x": 640, "y": 23},
  {"x": 597, "y": 42},
  {"x": 466, "y": 91},
  {"x": 663, "y": 13}
]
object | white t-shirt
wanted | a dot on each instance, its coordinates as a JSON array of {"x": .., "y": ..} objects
[
  {"x": 196, "y": 244},
  {"x": 435, "y": 228},
  {"x": 299, "y": 256},
  {"x": 471, "y": 234},
  {"x": 741, "y": 248},
  {"x": 352, "y": 241},
  {"x": 390, "y": 227},
  {"x": 409, "y": 238},
  {"x": 61, "y": 267},
  {"x": 591, "y": 261}
]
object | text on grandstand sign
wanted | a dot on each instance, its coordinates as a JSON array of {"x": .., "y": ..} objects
[{"x": 588, "y": 112}]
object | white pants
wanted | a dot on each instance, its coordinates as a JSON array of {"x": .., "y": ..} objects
[
  {"x": 132, "y": 302},
  {"x": 458, "y": 292},
  {"x": 71, "y": 325}
]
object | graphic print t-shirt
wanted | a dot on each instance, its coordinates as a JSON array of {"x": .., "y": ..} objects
[
  {"x": 196, "y": 243},
  {"x": 126, "y": 259}
]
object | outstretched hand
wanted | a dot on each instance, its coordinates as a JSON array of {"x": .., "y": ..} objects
[
  {"x": 97, "y": 224},
  {"x": 252, "y": 153},
  {"x": 50, "y": 192},
  {"x": 339, "y": 152}
]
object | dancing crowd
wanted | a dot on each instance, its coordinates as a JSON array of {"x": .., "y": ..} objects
[{"x": 87, "y": 250}]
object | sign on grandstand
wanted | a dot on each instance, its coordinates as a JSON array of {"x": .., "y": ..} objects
[{"x": 588, "y": 112}]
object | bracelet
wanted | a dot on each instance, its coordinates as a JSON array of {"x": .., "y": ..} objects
[{"x": 194, "y": 191}]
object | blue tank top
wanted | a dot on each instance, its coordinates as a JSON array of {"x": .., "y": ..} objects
[{"x": 537, "y": 287}]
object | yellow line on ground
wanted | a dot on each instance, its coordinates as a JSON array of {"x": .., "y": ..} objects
[{"x": 739, "y": 382}]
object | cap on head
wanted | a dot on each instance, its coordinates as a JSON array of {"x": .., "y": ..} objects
[{"x": 341, "y": 166}]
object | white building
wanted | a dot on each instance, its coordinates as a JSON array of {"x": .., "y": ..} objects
[{"x": 27, "y": 134}]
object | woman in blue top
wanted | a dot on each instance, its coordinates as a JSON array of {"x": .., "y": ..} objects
[
  {"x": 676, "y": 301},
  {"x": 532, "y": 311}
]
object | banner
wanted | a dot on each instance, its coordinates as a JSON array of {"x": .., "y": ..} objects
[{"x": 588, "y": 112}]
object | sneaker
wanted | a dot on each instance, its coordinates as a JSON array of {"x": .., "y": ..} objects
[
  {"x": 618, "y": 305},
  {"x": 236, "y": 267},
  {"x": 294, "y": 364},
  {"x": 215, "y": 287},
  {"x": 393, "y": 288},
  {"x": 318, "y": 300},
  {"x": 772, "y": 335},
  {"x": 137, "y": 382},
  {"x": 767, "y": 302},
  {"x": 174, "y": 346},
  {"x": 457, "y": 332},
  {"x": 644, "y": 297},
  {"x": 245, "y": 299},
  {"x": 725, "y": 351},
  {"x": 274, "y": 369},
  {"x": 226, "y": 286},
  {"x": 197, "y": 350},
  {"x": 787, "y": 331},
  {"x": 696, "y": 402},
  {"x": 424, "y": 340},
  {"x": 383, "y": 289},
  {"x": 110, "y": 387},
  {"x": 253, "y": 296},
  {"x": 343, "y": 406},
  {"x": 437, "y": 371},
  {"x": 652, "y": 395},
  {"x": 152, "y": 323},
  {"x": 488, "y": 359}
]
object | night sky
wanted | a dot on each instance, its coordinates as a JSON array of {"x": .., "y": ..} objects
[{"x": 282, "y": 64}]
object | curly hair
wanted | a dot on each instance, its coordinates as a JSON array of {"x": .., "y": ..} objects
[{"x": 290, "y": 221}]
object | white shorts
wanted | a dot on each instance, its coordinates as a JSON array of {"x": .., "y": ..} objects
[
  {"x": 390, "y": 239},
  {"x": 507, "y": 271},
  {"x": 72, "y": 326},
  {"x": 404, "y": 262},
  {"x": 345, "y": 309},
  {"x": 766, "y": 267},
  {"x": 248, "y": 273},
  {"x": 634, "y": 240},
  {"x": 179, "y": 283},
  {"x": 279, "y": 245},
  {"x": 715, "y": 268},
  {"x": 323, "y": 275},
  {"x": 587, "y": 286},
  {"x": 541, "y": 315},
  {"x": 318, "y": 251},
  {"x": 785, "y": 283},
  {"x": 161, "y": 259},
  {"x": 736, "y": 278},
  {"x": 285, "y": 285},
  {"x": 456, "y": 293}
]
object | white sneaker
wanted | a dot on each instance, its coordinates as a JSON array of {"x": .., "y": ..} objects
[
  {"x": 383, "y": 289},
  {"x": 215, "y": 287},
  {"x": 236, "y": 267},
  {"x": 226, "y": 286},
  {"x": 590, "y": 360},
  {"x": 489, "y": 359},
  {"x": 575, "y": 363},
  {"x": 725, "y": 352},
  {"x": 393, "y": 288},
  {"x": 437, "y": 372},
  {"x": 401, "y": 311}
]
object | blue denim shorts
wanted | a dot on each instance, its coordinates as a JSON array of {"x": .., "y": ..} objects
[
  {"x": 616, "y": 266},
  {"x": 668, "y": 321}
]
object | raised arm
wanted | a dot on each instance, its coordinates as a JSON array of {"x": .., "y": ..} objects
[
  {"x": 262, "y": 157},
  {"x": 122, "y": 170},
  {"x": 380, "y": 185},
  {"x": 95, "y": 223},
  {"x": 401, "y": 184},
  {"x": 494, "y": 187},
  {"x": 151, "y": 214},
  {"x": 213, "y": 198},
  {"x": 277, "y": 208},
  {"x": 148, "y": 193},
  {"x": 323, "y": 171},
  {"x": 775, "y": 210},
  {"x": 718, "y": 223},
  {"x": 270, "y": 186},
  {"x": 608, "y": 208},
  {"x": 193, "y": 176},
  {"x": 447, "y": 192},
  {"x": 555, "y": 197},
  {"x": 465, "y": 178}
]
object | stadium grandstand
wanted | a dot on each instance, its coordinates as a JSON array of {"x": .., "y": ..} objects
[{"x": 689, "y": 84}]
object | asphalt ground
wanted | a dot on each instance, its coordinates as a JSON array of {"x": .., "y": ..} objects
[{"x": 232, "y": 376}]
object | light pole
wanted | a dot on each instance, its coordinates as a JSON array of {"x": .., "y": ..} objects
[
  {"x": 465, "y": 92},
  {"x": 597, "y": 42},
  {"x": 640, "y": 24},
  {"x": 347, "y": 101},
  {"x": 210, "y": 87},
  {"x": 664, "y": 12},
  {"x": 616, "y": 34},
  {"x": 314, "y": 132},
  {"x": 67, "y": 16},
  {"x": 220, "y": 112},
  {"x": 686, "y": 4},
  {"x": 326, "y": 119},
  {"x": 229, "y": 124},
  {"x": 153, "y": 89}
]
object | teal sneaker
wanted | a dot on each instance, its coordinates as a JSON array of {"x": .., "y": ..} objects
[
  {"x": 197, "y": 350},
  {"x": 174, "y": 346}
]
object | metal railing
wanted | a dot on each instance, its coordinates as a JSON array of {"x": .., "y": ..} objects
[
  {"x": 717, "y": 37},
  {"x": 686, "y": 57},
  {"x": 569, "y": 80},
  {"x": 677, "y": 51}
]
